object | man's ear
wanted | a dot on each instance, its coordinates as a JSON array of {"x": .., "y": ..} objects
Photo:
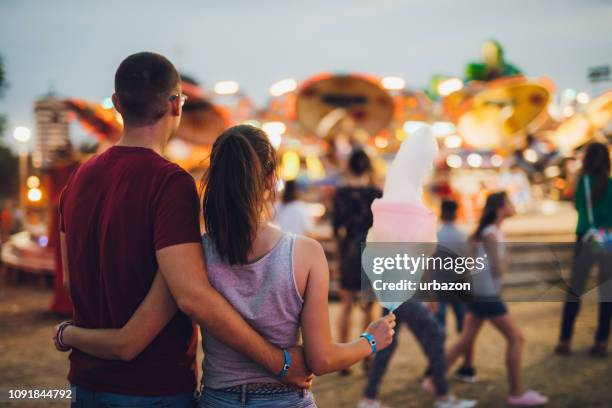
[
  {"x": 116, "y": 103},
  {"x": 175, "y": 106}
]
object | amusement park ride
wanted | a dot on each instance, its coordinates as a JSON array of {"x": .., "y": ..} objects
[
  {"x": 494, "y": 111},
  {"x": 489, "y": 124}
]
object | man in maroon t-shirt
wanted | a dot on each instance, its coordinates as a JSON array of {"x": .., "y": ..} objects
[{"x": 125, "y": 214}]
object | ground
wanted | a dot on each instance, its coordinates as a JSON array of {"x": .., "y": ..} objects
[{"x": 28, "y": 360}]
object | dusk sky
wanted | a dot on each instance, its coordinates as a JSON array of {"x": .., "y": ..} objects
[{"x": 74, "y": 47}]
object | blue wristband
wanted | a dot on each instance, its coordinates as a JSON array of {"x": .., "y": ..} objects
[
  {"x": 287, "y": 365},
  {"x": 370, "y": 340}
]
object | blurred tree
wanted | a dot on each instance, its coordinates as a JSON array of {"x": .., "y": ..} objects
[
  {"x": 8, "y": 172},
  {"x": 8, "y": 160}
]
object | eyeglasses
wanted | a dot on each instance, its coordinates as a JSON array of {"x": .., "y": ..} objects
[{"x": 180, "y": 96}]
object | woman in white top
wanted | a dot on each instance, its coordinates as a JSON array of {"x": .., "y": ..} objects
[
  {"x": 291, "y": 213},
  {"x": 489, "y": 241}
]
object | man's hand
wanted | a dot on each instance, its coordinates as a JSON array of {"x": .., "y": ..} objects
[
  {"x": 55, "y": 343},
  {"x": 298, "y": 374}
]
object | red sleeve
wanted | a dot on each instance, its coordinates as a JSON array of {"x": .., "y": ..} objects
[
  {"x": 62, "y": 198},
  {"x": 177, "y": 216}
]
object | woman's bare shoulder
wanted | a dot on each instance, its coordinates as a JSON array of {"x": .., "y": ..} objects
[
  {"x": 308, "y": 254},
  {"x": 308, "y": 250}
]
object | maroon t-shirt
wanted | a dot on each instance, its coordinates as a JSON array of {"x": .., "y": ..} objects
[{"x": 117, "y": 209}]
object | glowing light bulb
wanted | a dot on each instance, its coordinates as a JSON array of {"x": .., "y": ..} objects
[
  {"x": 282, "y": 87},
  {"x": 497, "y": 160},
  {"x": 583, "y": 97},
  {"x": 34, "y": 195},
  {"x": 22, "y": 134},
  {"x": 474, "y": 160},
  {"x": 449, "y": 86},
  {"x": 453, "y": 141},
  {"x": 226, "y": 87},
  {"x": 393, "y": 83},
  {"x": 454, "y": 161},
  {"x": 381, "y": 142}
]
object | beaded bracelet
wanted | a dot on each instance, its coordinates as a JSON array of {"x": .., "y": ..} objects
[{"x": 60, "y": 333}]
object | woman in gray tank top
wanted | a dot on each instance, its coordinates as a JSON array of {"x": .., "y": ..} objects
[{"x": 278, "y": 282}]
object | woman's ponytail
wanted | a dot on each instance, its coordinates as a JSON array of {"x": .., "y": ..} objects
[{"x": 240, "y": 175}]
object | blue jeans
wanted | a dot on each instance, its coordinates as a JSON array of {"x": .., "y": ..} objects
[
  {"x": 220, "y": 399},
  {"x": 84, "y": 398},
  {"x": 430, "y": 336},
  {"x": 582, "y": 265}
]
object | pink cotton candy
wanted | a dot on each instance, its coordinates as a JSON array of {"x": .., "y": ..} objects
[
  {"x": 400, "y": 216},
  {"x": 398, "y": 222}
]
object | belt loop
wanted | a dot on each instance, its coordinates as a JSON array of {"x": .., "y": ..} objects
[{"x": 243, "y": 395}]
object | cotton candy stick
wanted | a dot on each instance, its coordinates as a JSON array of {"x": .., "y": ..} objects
[{"x": 400, "y": 216}]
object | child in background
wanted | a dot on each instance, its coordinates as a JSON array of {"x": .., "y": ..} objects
[{"x": 452, "y": 238}]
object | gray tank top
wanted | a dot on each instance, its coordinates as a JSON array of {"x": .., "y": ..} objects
[{"x": 265, "y": 293}]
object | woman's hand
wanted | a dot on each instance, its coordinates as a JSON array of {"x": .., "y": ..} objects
[
  {"x": 382, "y": 330},
  {"x": 298, "y": 375}
]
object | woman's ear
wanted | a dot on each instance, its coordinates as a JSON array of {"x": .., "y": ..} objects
[{"x": 271, "y": 182}]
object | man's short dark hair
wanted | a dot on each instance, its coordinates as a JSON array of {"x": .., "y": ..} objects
[
  {"x": 143, "y": 84},
  {"x": 448, "y": 210}
]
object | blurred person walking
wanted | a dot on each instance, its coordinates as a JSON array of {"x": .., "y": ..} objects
[
  {"x": 430, "y": 337},
  {"x": 593, "y": 201},
  {"x": 453, "y": 242},
  {"x": 291, "y": 214},
  {"x": 352, "y": 218},
  {"x": 60, "y": 172},
  {"x": 488, "y": 240}
]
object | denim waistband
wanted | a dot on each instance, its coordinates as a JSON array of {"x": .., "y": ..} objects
[{"x": 217, "y": 398}]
